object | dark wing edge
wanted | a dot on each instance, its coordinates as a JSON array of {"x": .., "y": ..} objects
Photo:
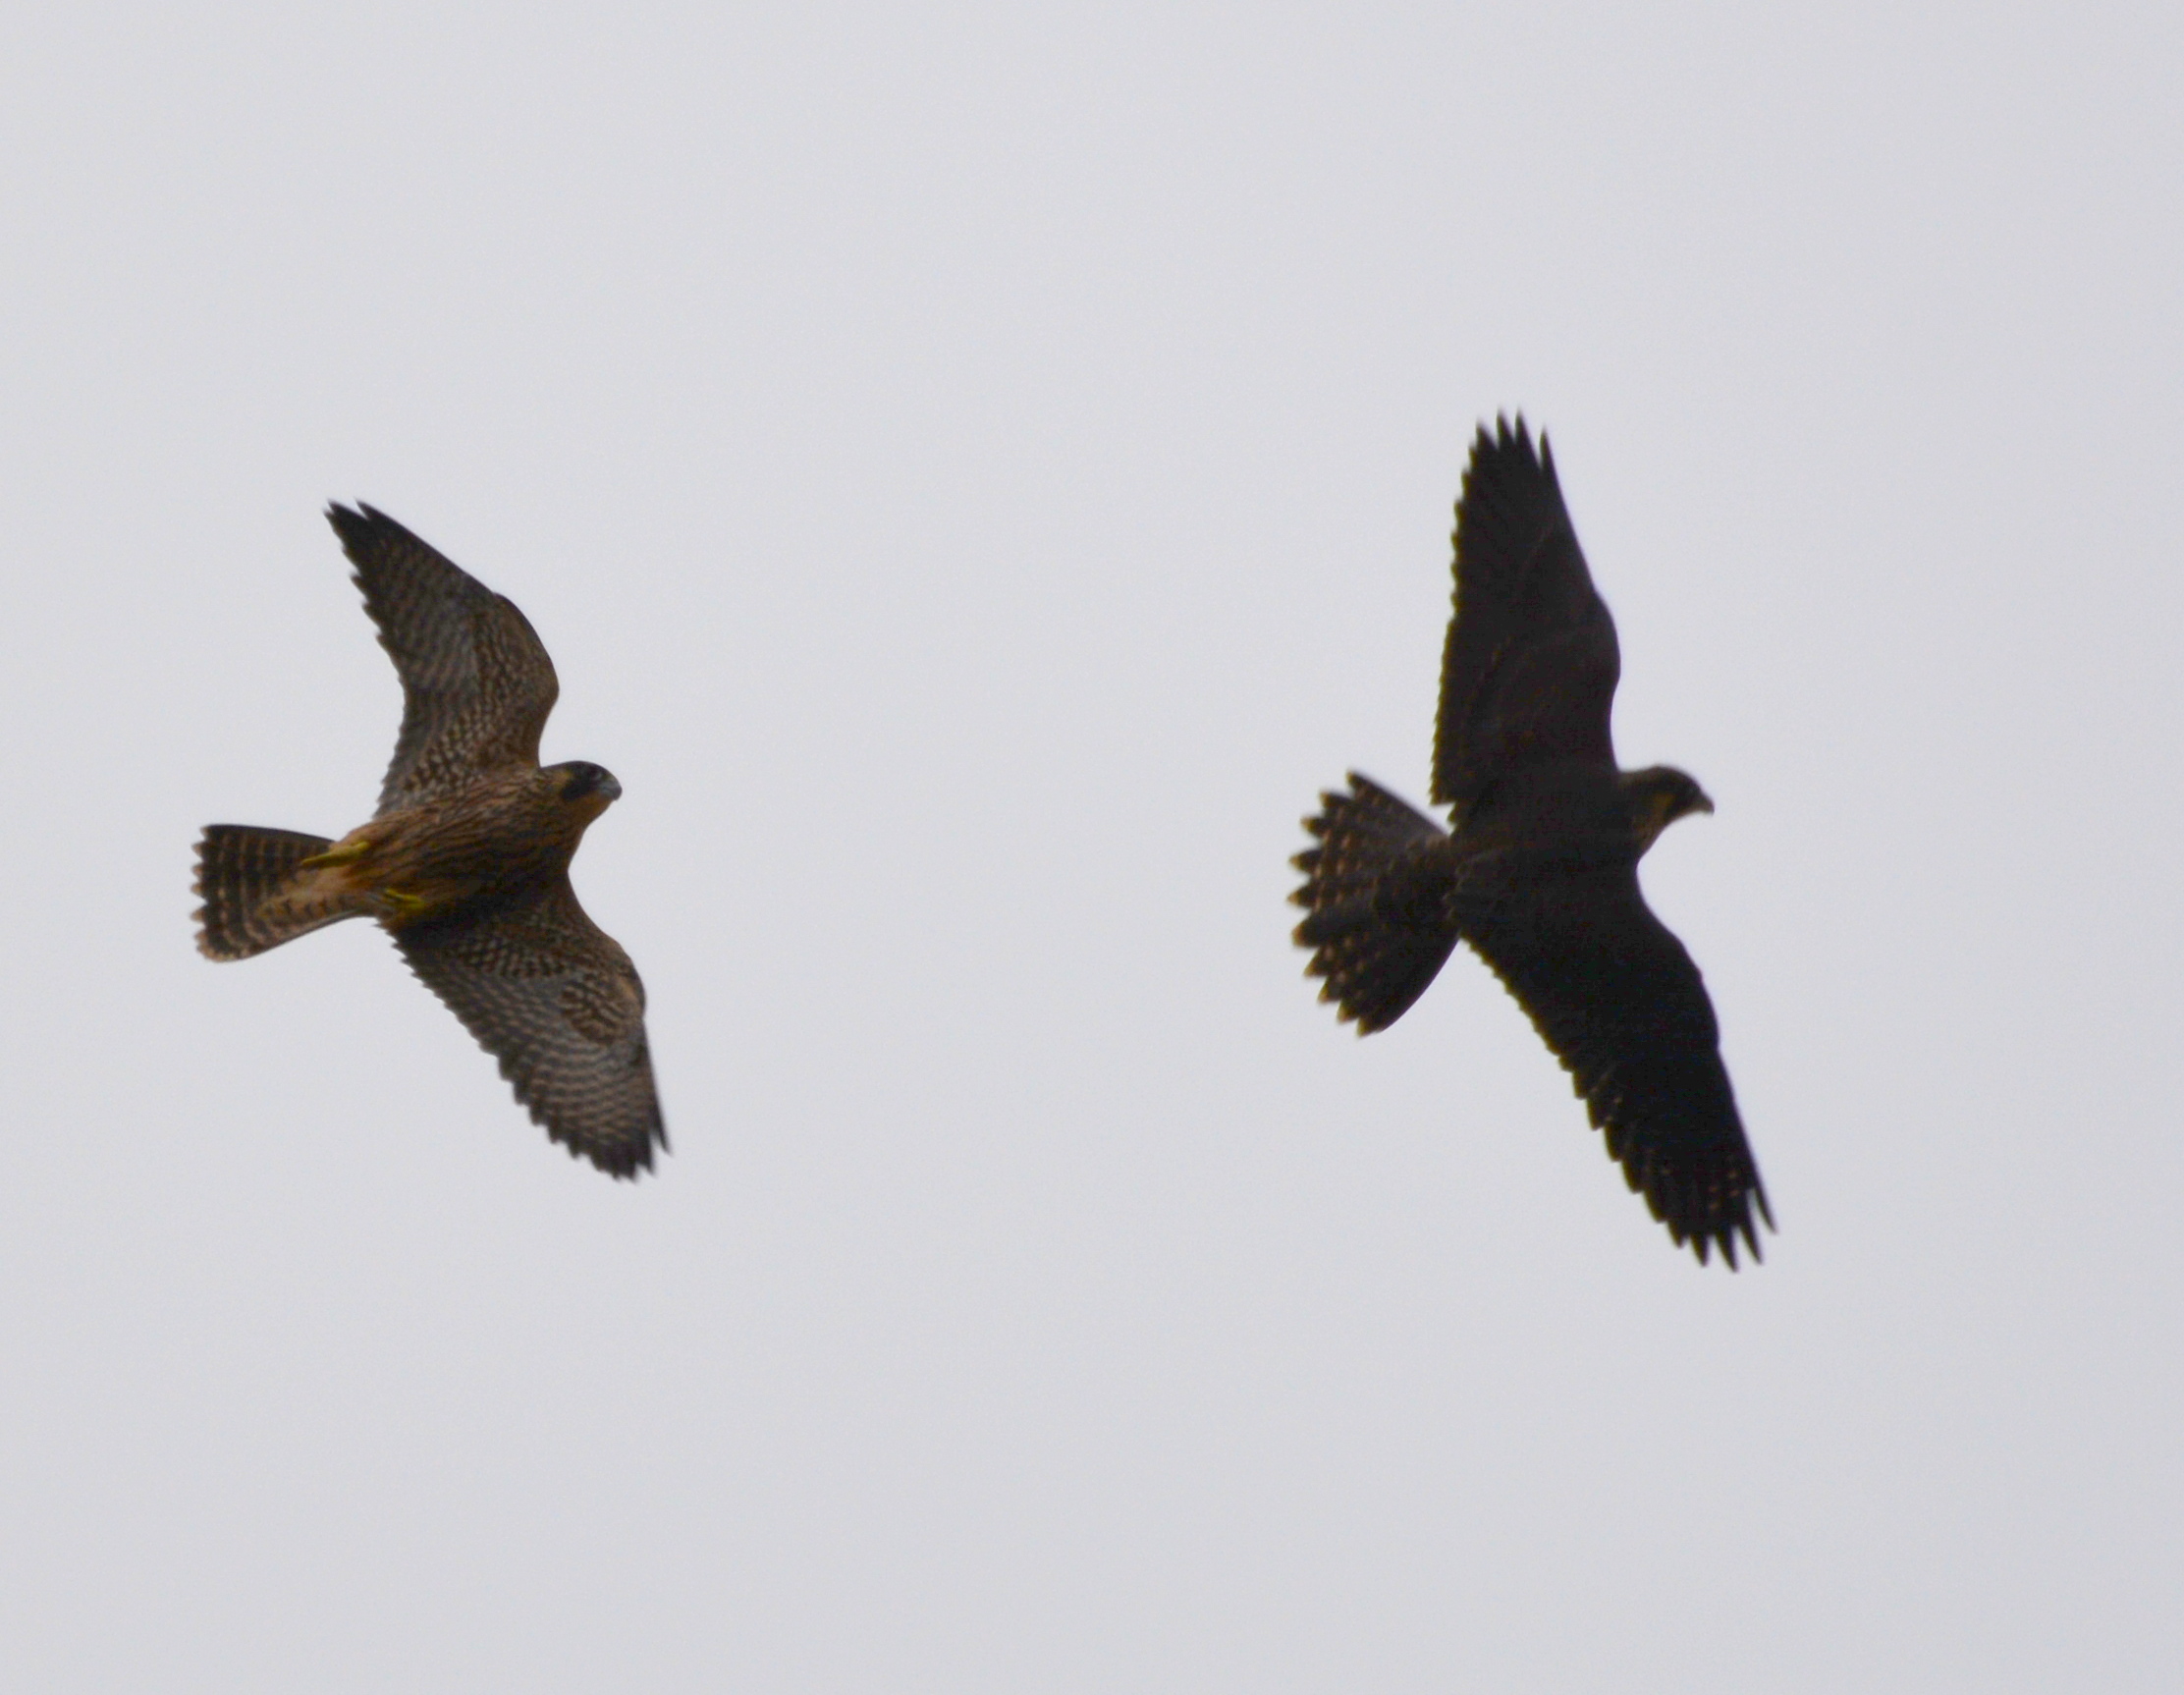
[
  {"x": 1530, "y": 664},
  {"x": 1618, "y": 1001},
  {"x": 477, "y": 684},
  {"x": 557, "y": 1002}
]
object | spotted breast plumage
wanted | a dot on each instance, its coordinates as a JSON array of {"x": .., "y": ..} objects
[
  {"x": 465, "y": 862},
  {"x": 1539, "y": 872}
]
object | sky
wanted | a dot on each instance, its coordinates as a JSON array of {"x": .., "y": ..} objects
[{"x": 980, "y": 471}]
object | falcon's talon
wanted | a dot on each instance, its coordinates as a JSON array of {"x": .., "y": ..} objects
[
  {"x": 407, "y": 905},
  {"x": 348, "y": 855}
]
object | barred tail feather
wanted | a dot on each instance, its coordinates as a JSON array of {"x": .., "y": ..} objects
[
  {"x": 255, "y": 898},
  {"x": 1378, "y": 928}
]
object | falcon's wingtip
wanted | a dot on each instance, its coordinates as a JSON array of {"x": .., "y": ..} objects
[
  {"x": 620, "y": 1161},
  {"x": 1514, "y": 434},
  {"x": 1722, "y": 1233},
  {"x": 361, "y": 526}
]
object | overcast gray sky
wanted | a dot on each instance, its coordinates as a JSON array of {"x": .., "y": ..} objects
[{"x": 979, "y": 472}]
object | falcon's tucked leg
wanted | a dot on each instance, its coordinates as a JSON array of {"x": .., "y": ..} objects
[{"x": 346, "y": 854}]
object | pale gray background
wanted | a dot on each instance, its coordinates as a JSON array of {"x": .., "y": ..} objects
[{"x": 979, "y": 472}]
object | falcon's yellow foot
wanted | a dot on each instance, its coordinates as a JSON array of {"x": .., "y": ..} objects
[
  {"x": 354, "y": 850},
  {"x": 406, "y": 905}
]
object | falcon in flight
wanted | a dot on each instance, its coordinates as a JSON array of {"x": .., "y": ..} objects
[
  {"x": 1539, "y": 871},
  {"x": 465, "y": 862}
]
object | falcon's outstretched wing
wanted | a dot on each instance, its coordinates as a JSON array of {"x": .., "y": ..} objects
[
  {"x": 1530, "y": 667},
  {"x": 476, "y": 684},
  {"x": 1624, "y": 1008},
  {"x": 555, "y": 1000}
]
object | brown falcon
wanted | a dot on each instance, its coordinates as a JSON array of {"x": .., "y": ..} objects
[
  {"x": 466, "y": 860},
  {"x": 1539, "y": 873}
]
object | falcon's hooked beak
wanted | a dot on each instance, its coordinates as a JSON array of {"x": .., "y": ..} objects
[{"x": 1681, "y": 801}]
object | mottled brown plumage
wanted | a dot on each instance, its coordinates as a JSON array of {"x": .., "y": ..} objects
[
  {"x": 466, "y": 859},
  {"x": 1539, "y": 873}
]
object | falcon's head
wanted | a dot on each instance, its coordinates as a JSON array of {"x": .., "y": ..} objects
[
  {"x": 581, "y": 783},
  {"x": 1658, "y": 796}
]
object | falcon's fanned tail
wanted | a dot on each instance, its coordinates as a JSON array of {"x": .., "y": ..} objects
[
  {"x": 1378, "y": 925},
  {"x": 253, "y": 898}
]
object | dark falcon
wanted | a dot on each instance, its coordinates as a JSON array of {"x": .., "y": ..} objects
[
  {"x": 466, "y": 861},
  {"x": 1540, "y": 872}
]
